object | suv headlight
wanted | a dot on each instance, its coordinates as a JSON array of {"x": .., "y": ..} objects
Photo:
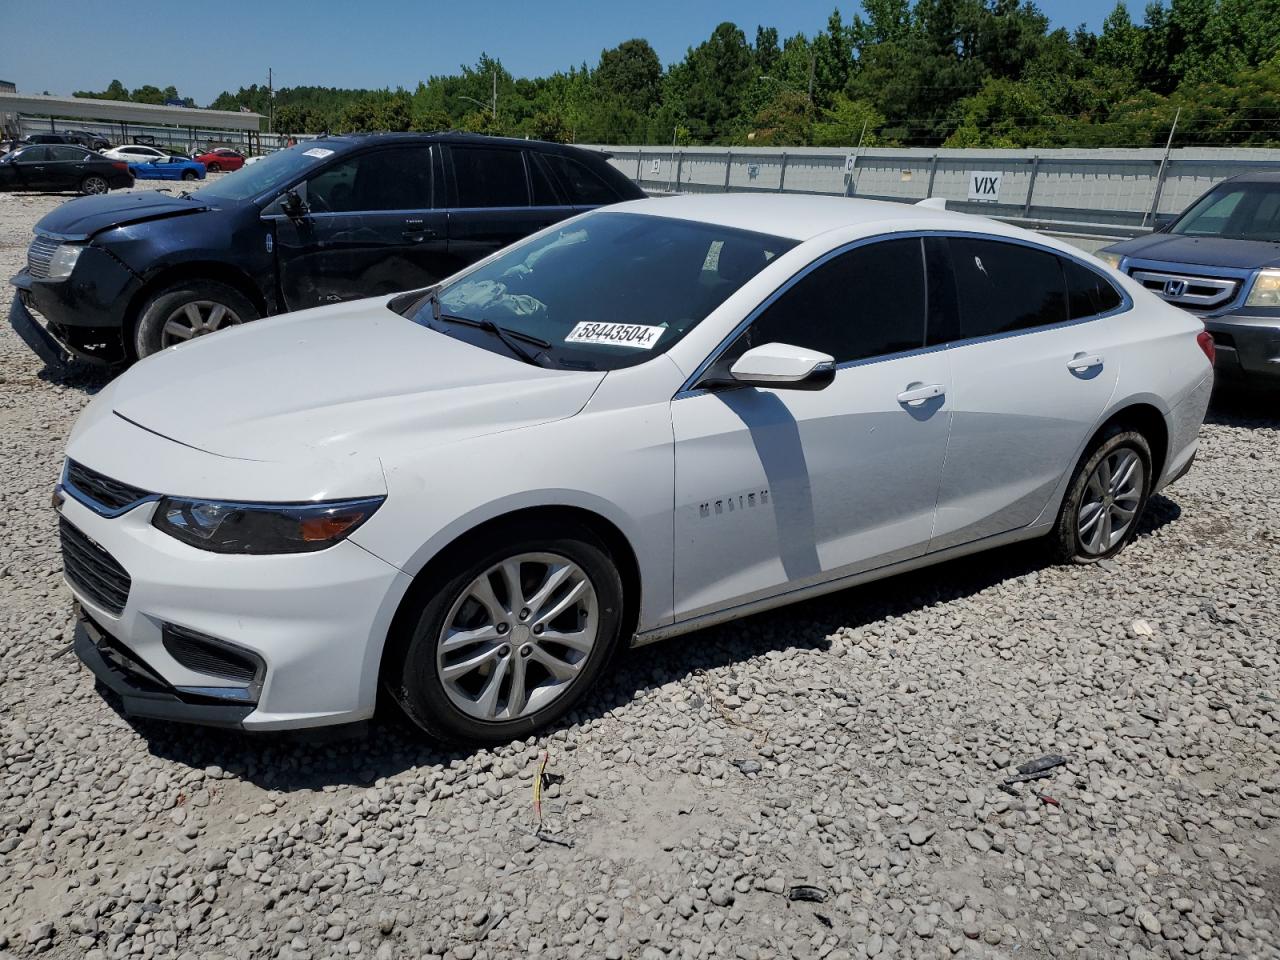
[
  {"x": 1266, "y": 290},
  {"x": 258, "y": 528},
  {"x": 64, "y": 260},
  {"x": 1112, "y": 260}
]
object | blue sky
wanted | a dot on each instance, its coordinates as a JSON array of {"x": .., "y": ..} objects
[{"x": 220, "y": 45}]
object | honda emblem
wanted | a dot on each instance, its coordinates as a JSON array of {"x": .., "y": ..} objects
[{"x": 1175, "y": 288}]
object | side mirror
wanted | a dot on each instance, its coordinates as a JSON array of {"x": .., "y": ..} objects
[
  {"x": 293, "y": 206},
  {"x": 783, "y": 366}
]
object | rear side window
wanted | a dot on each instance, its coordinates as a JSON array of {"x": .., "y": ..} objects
[
  {"x": 585, "y": 186},
  {"x": 396, "y": 179},
  {"x": 1088, "y": 292},
  {"x": 544, "y": 191},
  {"x": 866, "y": 303},
  {"x": 66, "y": 153},
  {"x": 1005, "y": 287},
  {"x": 489, "y": 177}
]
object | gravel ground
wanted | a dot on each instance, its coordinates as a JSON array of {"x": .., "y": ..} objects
[{"x": 852, "y": 745}]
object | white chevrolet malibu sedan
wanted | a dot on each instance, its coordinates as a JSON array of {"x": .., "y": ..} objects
[{"x": 634, "y": 424}]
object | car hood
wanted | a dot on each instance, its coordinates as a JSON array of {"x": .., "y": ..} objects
[
  {"x": 82, "y": 218},
  {"x": 347, "y": 379},
  {"x": 1203, "y": 251}
]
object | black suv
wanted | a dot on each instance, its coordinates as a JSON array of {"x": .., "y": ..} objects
[
  {"x": 113, "y": 279},
  {"x": 1220, "y": 259}
]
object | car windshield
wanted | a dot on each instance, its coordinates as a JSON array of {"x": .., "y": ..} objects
[
  {"x": 609, "y": 290},
  {"x": 1235, "y": 211},
  {"x": 272, "y": 170}
]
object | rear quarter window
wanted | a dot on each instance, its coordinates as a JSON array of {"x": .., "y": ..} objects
[{"x": 585, "y": 186}]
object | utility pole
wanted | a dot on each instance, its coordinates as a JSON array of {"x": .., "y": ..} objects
[
  {"x": 495, "y": 94},
  {"x": 271, "y": 104}
]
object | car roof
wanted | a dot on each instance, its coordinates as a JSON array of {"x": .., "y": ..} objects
[
  {"x": 799, "y": 217},
  {"x": 352, "y": 140},
  {"x": 1257, "y": 176}
]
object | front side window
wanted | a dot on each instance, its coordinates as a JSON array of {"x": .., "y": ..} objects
[
  {"x": 395, "y": 179},
  {"x": 31, "y": 155},
  {"x": 1235, "y": 211},
  {"x": 1005, "y": 287},
  {"x": 868, "y": 302},
  {"x": 489, "y": 177},
  {"x": 609, "y": 291}
]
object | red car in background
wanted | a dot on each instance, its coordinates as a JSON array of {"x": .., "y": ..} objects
[{"x": 222, "y": 158}]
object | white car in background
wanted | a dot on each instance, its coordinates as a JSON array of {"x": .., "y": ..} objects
[
  {"x": 137, "y": 153},
  {"x": 633, "y": 424}
]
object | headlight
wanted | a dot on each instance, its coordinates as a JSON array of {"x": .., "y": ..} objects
[
  {"x": 1110, "y": 259},
  {"x": 261, "y": 527},
  {"x": 64, "y": 260},
  {"x": 1266, "y": 290}
]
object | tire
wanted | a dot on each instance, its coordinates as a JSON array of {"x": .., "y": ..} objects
[
  {"x": 213, "y": 167},
  {"x": 452, "y": 710},
  {"x": 93, "y": 185},
  {"x": 1093, "y": 507},
  {"x": 152, "y": 332},
  {"x": 188, "y": 174}
]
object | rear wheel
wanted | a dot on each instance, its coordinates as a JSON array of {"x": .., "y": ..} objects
[
  {"x": 188, "y": 174},
  {"x": 93, "y": 184},
  {"x": 512, "y": 639},
  {"x": 186, "y": 310},
  {"x": 1105, "y": 501}
]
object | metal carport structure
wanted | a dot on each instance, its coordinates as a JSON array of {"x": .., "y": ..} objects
[{"x": 123, "y": 113}]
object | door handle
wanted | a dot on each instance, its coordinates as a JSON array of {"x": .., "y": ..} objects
[
  {"x": 916, "y": 396},
  {"x": 418, "y": 236},
  {"x": 1084, "y": 361}
]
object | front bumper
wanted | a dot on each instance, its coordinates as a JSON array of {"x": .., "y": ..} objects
[
  {"x": 83, "y": 315},
  {"x": 317, "y": 621},
  {"x": 139, "y": 689},
  {"x": 1248, "y": 347}
]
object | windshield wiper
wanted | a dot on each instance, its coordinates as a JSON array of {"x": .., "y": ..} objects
[{"x": 510, "y": 338}]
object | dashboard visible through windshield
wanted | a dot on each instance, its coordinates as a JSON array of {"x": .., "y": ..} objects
[{"x": 608, "y": 290}]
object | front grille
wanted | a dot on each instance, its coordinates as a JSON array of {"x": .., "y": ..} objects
[
  {"x": 203, "y": 655},
  {"x": 101, "y": 489},
  {"x": 1192, "y": 292},
  {"x": 39, "y": 254},
  {"x": 92, "y": 570}
]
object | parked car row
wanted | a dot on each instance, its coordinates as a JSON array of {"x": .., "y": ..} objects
[
  {"x": 521, "y": 417},
  {"x": 333, "y": 220}
]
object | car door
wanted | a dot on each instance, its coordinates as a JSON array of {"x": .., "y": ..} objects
[
  {"x": 31, "y": 168},
  {"x": 66, "y": 167},
  {"x": 371, "y": 229},
  {"x": 1032, "y": 372},
  {"x": 779, "y": 489},
  {"x": 490, "y": 204}
]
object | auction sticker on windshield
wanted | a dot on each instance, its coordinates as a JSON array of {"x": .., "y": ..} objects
[
  {"x": 318, "y": 152},
  {"x": 617, "y": 334}
]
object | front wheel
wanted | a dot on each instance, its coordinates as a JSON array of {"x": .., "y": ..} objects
[
  {"x": 213, "y": 168},
  {"x": 93, "y": 184},
  {"x": 186, "y": 310},
  {"x": 1105, "y": 501},
  {"x": 512, "y": 639},
  {"x": 188, "y": 174}
]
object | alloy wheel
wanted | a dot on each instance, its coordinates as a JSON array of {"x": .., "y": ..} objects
[
  {"x": 95, "y": 185},
  {"x": 517, "y": 637},
  {"x": 195, "y": 318},
  {"x": 1111, "y": 499}
]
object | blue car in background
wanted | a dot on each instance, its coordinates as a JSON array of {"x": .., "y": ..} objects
[{"x": 170, "y": 168}]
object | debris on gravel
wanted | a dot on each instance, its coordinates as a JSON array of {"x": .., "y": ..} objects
[{"x": 849, "y": 746}]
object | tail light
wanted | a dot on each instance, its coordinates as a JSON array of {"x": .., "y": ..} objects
[
  {"x": 1205, "y": 339},
  {"x": 119, "y": 165}
]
